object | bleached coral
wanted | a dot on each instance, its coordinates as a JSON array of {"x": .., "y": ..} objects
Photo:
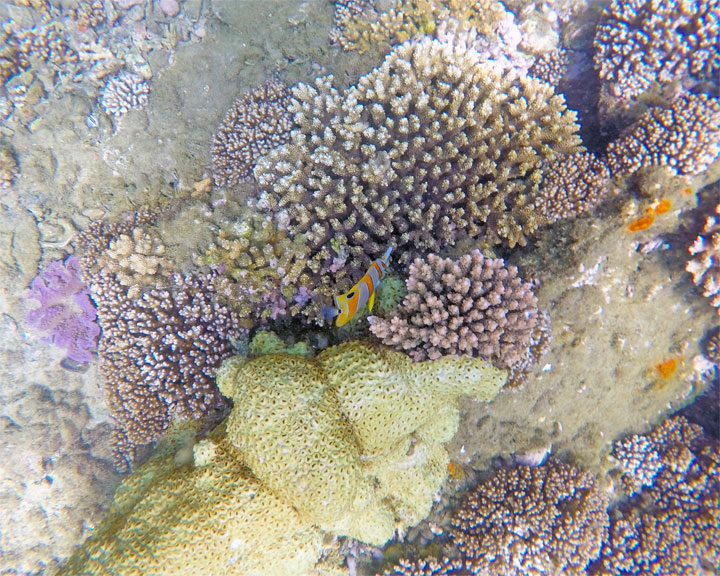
[
  {"x": 124, "y": 92},
  {"x": 704, "y": 265}
]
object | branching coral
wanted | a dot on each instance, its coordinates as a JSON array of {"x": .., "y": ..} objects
[
  {"x": 432, "y": 146},
  {"x": 704, "y": 264},
  {"x": 124, "y": 92},
  {"x": 550, "y": 519},
  {"x": 672, "y": 526},
  {"x": 684, "y": 138},
  {"x": 159, "y": 348},
  {"x": 359, "y": 25},
  {"x": 572, "y": 185},
  {"x": 644, "y": 42},
  {"x": 65, "y": 312},
  {"x": 255, "y": 124},
  {"x": 551, "y": 67},
  {"x": 473, "y": 306}
]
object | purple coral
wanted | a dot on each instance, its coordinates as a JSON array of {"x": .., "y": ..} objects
[{"x": 66, "y": 312}]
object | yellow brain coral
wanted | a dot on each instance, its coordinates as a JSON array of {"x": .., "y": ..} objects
[
  {"x": 331, "y": 435},
  {"x": 350, "y": 442}
]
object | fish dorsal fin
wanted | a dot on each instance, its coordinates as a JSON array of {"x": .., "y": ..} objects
[{"x": 371, "y": 301}]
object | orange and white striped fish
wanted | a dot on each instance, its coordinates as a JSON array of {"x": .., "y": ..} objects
[{"x": 346, "y": 305}]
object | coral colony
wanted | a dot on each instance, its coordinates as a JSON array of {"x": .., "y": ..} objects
[
  {"x": 66, "y": 315},
  {"x": 455, "y": 141}
]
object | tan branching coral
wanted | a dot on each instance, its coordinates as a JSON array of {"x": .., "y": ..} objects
[
  {"x": 8, "y": 167},
  {"x": 684, "y": 138},
  {"x": 572, "y": 185},
  {"x": 359, "y": 25},
  {"x": 551, "y": 67},
  {"x": 671, "y": 527},
  {"x": 474, "y": 306},
  {"x": 646, "y": 42},
  {"x": 704, "y": 264},
  {"x": 525, "y": 521},
  {"x": 432, "y": 146},
  {"x": 255, "y": 124}
]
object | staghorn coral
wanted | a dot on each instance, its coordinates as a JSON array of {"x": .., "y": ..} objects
[
  {"x": 704, "y": 264},
  {"x": 671, "y": 526},
  {"x": 524, "y": 521},
  {"x": 124, "y": 92},
  {"x": 254, "y": 125},
  {"x": 646, "y": 42},
  {"x": 474, "y": 306},
  {"x": 572, "y": 185},
  {"x": 353, "y": 439},
  {"x": 66, "y": 312},
  {"x": 359, "y": 26},
  {"x": 684, "y": 138},
  {"x": 430, "y": 147},
  {"x": 358, "y": 429}
]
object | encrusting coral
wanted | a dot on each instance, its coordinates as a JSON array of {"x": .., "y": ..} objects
[
  {"x": 349, "y": 442},
  {"x": 704, "y": 263},
  {"x": 432, "y": 146},
  {"x": 473, "y": 306},
  {"x": 255, "y": 124},
  {"x": 523, "y": 521},
  {"x": 647, "y": 42},
  {"x": 572, "y": 185},
  {"x": 684, "y": 138},
  {"x": 672, "y": 525}
]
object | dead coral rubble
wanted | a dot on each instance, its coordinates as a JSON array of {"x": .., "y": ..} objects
[
  {"x": 255, "y": 124},
  {"x": 647, "y": 42},
  {"x": 474, "y": 306},
  {"x": 684, "y": 138}
]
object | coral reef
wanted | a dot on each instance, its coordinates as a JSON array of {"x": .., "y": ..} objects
[
  {"x": 647, "y": 42},
  {"x": 160, "y": 346},
  {"x": 704, "y": 263},
  {"x": 474, "y": 306},
  {"x": 255, "y": 124},
  {"x": 684, "y": 138},
  {"x": 671, "y": 526},
  {"x": 712, "y": 347},
  {"x": 124, "y": 92},
  {"x": 66, "y": 314},
  {"x": 349, "y": 442},
  {"x": 361, "y": 454},
  {"x": 551, "y": 66},
  {"x": 549, "y": 519},
  {"x": 359, "y": 26},
  {"x": 430, "y": 147},
  {"x": 572, "y": 185}
]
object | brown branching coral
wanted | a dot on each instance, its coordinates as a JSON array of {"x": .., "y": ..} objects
[
  {"x": 684, "y": 138},
  {"x": 432, "y": 146},
  {"x": 704, "y": 264},
  {"x": 525, "y": 521},
  {"x": 159, "y": 347},
  {"x": 254, "y": 125},
  {"x": 646, "y": 42},
  {"x": 673, "y": 526},
  {"x": 474, "y": 306},
  {"x": 551, "y": 67},
  {"x": 572, "y": 185}
]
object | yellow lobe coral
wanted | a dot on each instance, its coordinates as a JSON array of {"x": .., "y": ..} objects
[{"x": 330, "y": 435}]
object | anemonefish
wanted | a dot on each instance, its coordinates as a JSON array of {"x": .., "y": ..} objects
[{"x": 362, "y": 293}]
